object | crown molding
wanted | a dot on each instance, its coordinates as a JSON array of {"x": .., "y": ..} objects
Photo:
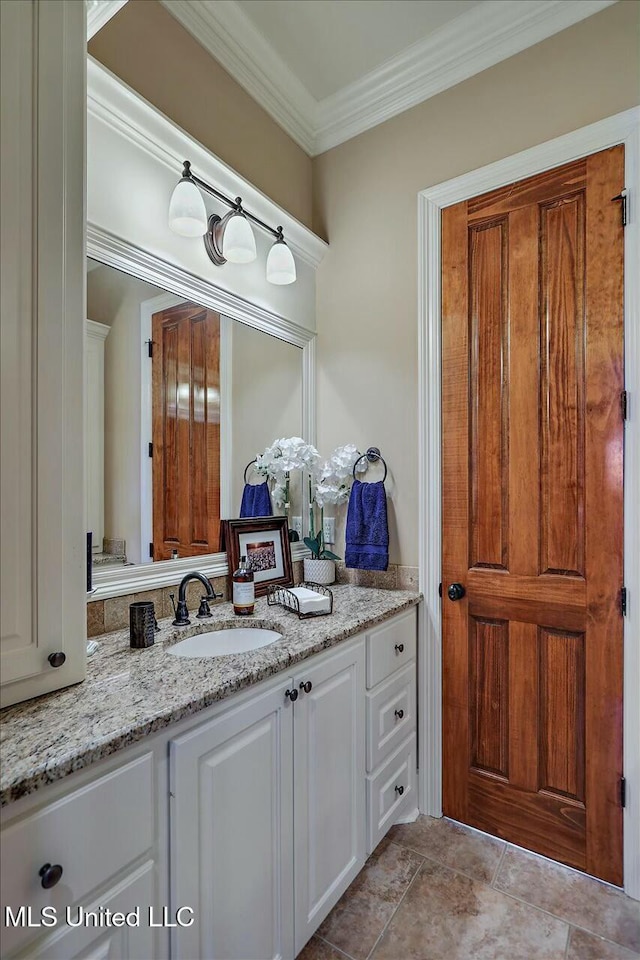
[
  {"x": 231, "y": 38},
  {"x": 474, "y": 41},
  {"x": 100, "y": 12},
  {"x": 133, "y": 117}
]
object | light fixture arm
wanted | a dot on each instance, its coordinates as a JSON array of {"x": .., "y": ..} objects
[{"x": 235, "y": 205}]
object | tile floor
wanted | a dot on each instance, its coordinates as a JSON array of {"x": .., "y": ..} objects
[{"x": 435, "y": 890}]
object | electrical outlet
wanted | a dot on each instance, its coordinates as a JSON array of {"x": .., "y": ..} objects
[
  {"x": 296, "y": 524},
  {"x": 329, "y": 530}
]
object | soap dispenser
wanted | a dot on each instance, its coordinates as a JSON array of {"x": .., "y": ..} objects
[{"x": 244, "y": 594}]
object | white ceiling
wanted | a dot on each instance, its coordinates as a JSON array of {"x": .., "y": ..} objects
[
  {"x": 328, "y": 44},
  {"x": 327, "y": 70}
]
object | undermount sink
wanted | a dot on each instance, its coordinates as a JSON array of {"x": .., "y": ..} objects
[{"x": 216, "y": 643}]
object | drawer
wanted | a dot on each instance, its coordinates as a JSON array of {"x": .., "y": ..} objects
[
  {"x": 92, "y": 833},
  {"x": 391, "y": 715},
  {"x": 385, "y": 803},
  {"x": 390, "y": 647},
  {"x": 107, "y": 942}
]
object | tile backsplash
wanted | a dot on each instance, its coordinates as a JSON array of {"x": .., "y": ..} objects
[{"x": 103, "y": 616}]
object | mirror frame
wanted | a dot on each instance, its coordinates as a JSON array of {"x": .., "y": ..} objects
[{"x": 122, "y": 255}]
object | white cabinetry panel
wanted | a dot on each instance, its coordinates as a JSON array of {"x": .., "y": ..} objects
[
  {"x": 42, "y": 315},
  {"x": 329, "y": 770},
  {"x": 231, "y": 854},
  {"x": 92, "y": 833},
  {"x": 106, "y": 943},
  {"x": 390, "y": 646}
]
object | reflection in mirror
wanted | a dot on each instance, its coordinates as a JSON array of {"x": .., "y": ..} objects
[{"x": 169, "y": 434}]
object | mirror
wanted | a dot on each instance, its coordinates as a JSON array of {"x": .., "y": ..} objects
[{"x": 213, "y": 393}]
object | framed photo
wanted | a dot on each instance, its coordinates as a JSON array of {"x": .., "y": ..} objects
[{"x": 264, "y": 541}]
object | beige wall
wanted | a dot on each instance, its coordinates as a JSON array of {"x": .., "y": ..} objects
[
  {"x": 266, "y": 387},
  {"x": 365, "y": 203},
  {"x": 148, "y": 49}
]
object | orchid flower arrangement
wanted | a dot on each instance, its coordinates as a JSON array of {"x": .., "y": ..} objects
[
  {"x": 329, "y": 480},
  {"x": 333, "y": 479},
  {"x": 283, "y": 456}
]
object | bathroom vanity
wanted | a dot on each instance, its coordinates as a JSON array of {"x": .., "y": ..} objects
[{"x": 242, "y": 793}]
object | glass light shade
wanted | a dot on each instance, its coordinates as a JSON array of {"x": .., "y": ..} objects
[
  {"x": 281, "y": 267},
  {"x": 187, "y": 212},
  {"x": 238, "y": 241}
]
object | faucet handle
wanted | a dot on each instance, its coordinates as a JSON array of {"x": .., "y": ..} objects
[{"x": 204, "y": 609}]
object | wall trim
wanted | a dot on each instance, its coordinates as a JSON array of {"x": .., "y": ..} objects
[
  {"x": 121, "y": 109},
  {"x": 100, "y": 12},
  {"x": 231, "y": 37},
  {"x": 621, "y": 128},
  {"x": 125, "y": 256},
  {"x": 474, "y": 41}
]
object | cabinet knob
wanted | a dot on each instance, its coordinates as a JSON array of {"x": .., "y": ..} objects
[
  {"x": 292, "y": 694},
  {"x": 399, "y": 791},
  {"x": 57, "y": 659},
  {"x": 399, "y": 647},
  {"x": 50, "y": 875},
  {"x": 399, "y": 714},
  {"x": 306, "y": 686}
]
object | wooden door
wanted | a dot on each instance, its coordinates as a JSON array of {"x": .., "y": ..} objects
[
  {"x": 231, "y": 832},
  {"x": 186, "y": 431},
  {"x": 532, "y": 325},
  {"x": 329, "y": 785}
]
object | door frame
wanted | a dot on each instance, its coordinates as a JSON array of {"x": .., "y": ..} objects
[{"x": 622, "y": 128}]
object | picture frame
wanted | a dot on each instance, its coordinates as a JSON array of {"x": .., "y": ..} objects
[{"x": 264, "y": 541}]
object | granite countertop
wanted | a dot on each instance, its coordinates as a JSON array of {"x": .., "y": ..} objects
[{"x": 129, "y": 694}]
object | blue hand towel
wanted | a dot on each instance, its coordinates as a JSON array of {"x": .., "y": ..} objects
[
  {"x": 256, "y": 500},
  {"x": 367, "y": 534}
]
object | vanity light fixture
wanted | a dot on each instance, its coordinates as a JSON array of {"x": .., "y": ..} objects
[{"x": 229, "y": 238}]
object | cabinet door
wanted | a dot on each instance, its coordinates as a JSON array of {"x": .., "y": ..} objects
[
  {"x": 329, "y": 778},
  {"x": 231, "y": 835},
  {"x": 42, "y": 216}
]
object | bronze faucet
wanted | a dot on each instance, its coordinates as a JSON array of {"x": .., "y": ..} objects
[{"x": 181, "y": 612}]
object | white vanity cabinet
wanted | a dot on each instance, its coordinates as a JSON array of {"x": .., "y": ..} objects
[
  {"x": 391, "y": 725},
  {"x": 267, "y": 791},
  {"x": 329, "y": 783},
  {"x": 94, "y": 847},
  {"x": 42, "y": 224},
  {"x": 231, "y": 804}
]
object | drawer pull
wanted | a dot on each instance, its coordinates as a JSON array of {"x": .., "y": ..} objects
[
  {"x": 399, "y": 791},
  {"x": 50, "y": 875},
  {"x": 292, "y": 694},
  {"x": 56, "y": 659},
  {"x": 306, "y": 686},
  {"x": 399, "y": 647},
  {"x": 399, "y": 714}
]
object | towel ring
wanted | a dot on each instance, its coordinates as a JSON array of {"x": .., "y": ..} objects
[
  {"x": 372, "y": 454},
  {"x": 250, "y": 464}
]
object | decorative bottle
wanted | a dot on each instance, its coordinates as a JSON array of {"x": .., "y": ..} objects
[{"x": 244, "y": 594}]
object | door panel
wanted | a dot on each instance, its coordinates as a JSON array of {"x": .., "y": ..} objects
[
  {"x": 186, "y": 432},
  {"x": 532, "y": 331}
]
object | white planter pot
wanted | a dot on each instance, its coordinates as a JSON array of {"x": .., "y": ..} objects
[{"x": 319, "y": 571}]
